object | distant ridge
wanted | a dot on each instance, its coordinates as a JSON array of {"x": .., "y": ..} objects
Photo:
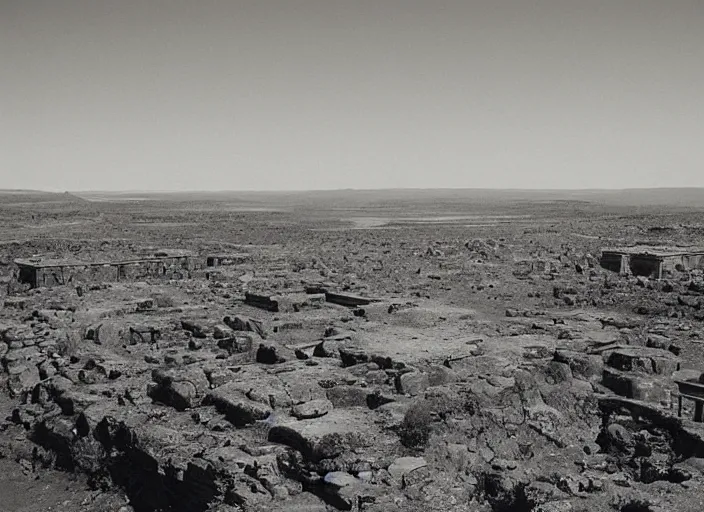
[
  {"x": 675, "y": 197},
  {"x": 23, "y": 196}
]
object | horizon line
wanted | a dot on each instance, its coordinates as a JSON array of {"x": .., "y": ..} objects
[{"x": 346, "y": 189}]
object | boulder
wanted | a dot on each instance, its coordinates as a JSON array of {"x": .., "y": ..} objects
[
  {"x": 273, "y": 353},
  {"x": 330, "y": 347},
  {"x": 303, "y": 502},
  {"x": 346, "y": 492},
  {"x": 236, "y": 406},
  {"x": 257, "y": 386},
  {"x": 412, "y": 383},
  {"x": 377, "y": 377},
  {"x": 557, "y": 373},
  {"x": 196, "y": 329},
  {"x": 219, "y": 376},
  {"x": 241, "y": 323},
  {"x": 658, "y": 341},
  {"x": 337, "y": 432},
  {"x": 50, "y": 389},
  {"x": 644, "y": 360},
  {"x": 221, "y": 332},
  {"x": 182, "y": 389},
  {"x": 22, "y": 379},
  {"x": 351, "y": 356},
  {"x": 583, "y": 366},
  {"x": 439, "y": 375},
  {"x": 74, "y": 401},
  {"x": 616, "y": 439},
  {"x": 237, "y": 344}
]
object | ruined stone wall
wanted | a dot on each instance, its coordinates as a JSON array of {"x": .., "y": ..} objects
[
  {"x": 217, "y": 260},
  {"x": 673, "y": 264},
  {"x": 683, "y": 263},
  {"x": 611, "y": 261},
  {"x": 645, "y": 265},
  {"x": 177, "y": 267},
  {"x": 693, "y": 261},
  {"x": 169, "y": 268},
  {"x": 73, "y": 274}
]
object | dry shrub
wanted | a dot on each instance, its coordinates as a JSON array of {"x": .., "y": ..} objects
[
  {"x": 438, "y": 405},
  {"x": 416, "y": 426}
]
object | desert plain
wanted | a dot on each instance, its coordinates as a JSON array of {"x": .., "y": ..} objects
[{"x": 377, "y": 351}]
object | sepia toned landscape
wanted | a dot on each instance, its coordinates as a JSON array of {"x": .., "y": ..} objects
[{"x": 399, "y": 350}]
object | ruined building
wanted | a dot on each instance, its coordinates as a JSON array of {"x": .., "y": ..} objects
[
  {"x": 38, "y": 272},
  {"x": 223, "y": 260},
  {"x": 654, "y": 262}
]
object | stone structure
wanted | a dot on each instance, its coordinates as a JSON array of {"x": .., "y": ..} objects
[
  {"x": 40, "y": 272},
  {"x": 655, "y": 262},
  {"x": 218, "y": 260},
  {"x": 347, "y": 299}
]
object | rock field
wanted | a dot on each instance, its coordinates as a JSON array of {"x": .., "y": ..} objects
[{"x": 350, "y": 354}]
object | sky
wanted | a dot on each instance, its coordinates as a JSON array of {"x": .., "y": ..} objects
[{"x": 332, "y": 94}]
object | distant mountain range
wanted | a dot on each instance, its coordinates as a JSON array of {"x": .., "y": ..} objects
[
  {"x": 676, "y": 197},
  {"x": 627, "y": 197}
]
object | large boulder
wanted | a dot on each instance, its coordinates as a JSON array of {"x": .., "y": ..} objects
[
  {"x": 274, "y": 353},
  {"x": 644, "y": 360},
  {"x": 180, "y": 388},
  {"x": 22, "y": 379},
  {"x": 345, "y": 491},
  {"x": 197, "y": 329},
  {"x": 222, "y": 331},
  {"x": 237, "y": 408},
  {"x": 583, "y": 366},
  {"x": 241, "y": 323},
  {"x": 412, "y": 383},
  {"x": 237, "y": 344},
  {"x": 330, "y": 347},
  {"x": 337, "y": 432},
  {"x": 257, "y": 386}
]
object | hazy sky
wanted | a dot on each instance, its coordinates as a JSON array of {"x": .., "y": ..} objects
[{"x": 314, "y": 94}]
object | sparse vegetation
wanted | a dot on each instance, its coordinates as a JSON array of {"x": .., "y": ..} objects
[{"x": 416, "y": 427}]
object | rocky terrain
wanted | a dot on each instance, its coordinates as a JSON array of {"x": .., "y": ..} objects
[{"x": 350, "y": 352}]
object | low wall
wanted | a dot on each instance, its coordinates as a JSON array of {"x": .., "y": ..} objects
[{"x": 176, "y": 267}]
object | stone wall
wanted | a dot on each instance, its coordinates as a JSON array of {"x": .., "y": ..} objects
[{"x": 175, "y": 267}]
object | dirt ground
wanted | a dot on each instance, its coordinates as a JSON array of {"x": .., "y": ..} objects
[{"x": 357, "y": 351}]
